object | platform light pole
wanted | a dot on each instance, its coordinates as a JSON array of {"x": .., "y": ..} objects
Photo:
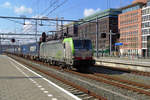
[
  {"x": 57, "y": 24},
  {"x": 110, "y": 41},
  {"x": 62, "y": 26},
  {"x": 36, "y": 31},
  {"x": 97, "y": 37}
]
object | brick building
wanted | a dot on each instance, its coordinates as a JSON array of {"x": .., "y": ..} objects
[
  {"x": 130, "y": 29},
  {"x": 107, "y": 20}
]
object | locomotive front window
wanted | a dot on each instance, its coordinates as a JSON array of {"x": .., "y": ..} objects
[{"x": 82, "y": 44}]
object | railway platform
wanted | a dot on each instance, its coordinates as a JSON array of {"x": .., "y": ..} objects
[
  {"x": 128, "y": 63},
  {"x": 133, "y": 61},
  {"x": 17, "y": 82}
]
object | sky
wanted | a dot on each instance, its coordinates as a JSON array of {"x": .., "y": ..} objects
[{"x": 68, "y": 9}]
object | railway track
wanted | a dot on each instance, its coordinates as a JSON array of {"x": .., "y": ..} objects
[
  {"x": 140, "y": 73},
  {"x": 75, "y": 89},
  {"x": 127, "y": 70},
  {"x": 114, "y": 81},
  {"x": 132, "y": 83},
  {"x": 125, "y": 84}
]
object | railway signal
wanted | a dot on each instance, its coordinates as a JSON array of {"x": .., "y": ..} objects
[
  {"x": 13, "y": 40},
  {"x": 43, "y": 37}
]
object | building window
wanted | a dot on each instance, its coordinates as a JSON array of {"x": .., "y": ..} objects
[
  {"x": 144, "y": 45},
  {"x": 145, "y": 25},
  {"x": 146, "y": 31},
  {"x": 144, "y": 38},
  {"x": 131, "y": 9}
]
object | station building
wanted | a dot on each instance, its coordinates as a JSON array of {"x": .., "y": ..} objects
[
  {"x": 130, "y": 21},
  {"x": 107, "y": 20}
]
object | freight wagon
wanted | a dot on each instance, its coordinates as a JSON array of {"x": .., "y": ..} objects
[
  {"x": 30, "y": 50},
  {"x": 26, "y": 50}
]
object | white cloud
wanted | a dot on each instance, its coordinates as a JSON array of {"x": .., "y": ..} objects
[
  {"x": 6, "y": 5},
  {"x": 22, "y": 10},
  {"x": 18, "y": 10},
  {"x": 88, "y": 12}
]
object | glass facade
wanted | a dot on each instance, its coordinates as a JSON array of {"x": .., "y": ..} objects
[
  {"x": 148, "y": 45},
  {"x": 146, "y": 25},
  {"x": 148, "y": 3},
  {"x": 144, "y": 45},
  {"x": 131, "y": 9},
  {"x": 145, "y": 31},
  {"x": 146, "y": 18},
  {"x": 146, "y": 11}
]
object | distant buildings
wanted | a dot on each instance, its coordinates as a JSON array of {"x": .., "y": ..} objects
[
  {"x": 134, "y": 27},
  {"x": 132, "y": 22},
  {"x": 107, "y": 21}
]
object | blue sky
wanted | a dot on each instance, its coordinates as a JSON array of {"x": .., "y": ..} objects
[{"x": 72, "y": 9}]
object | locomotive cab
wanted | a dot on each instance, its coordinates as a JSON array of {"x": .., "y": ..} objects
[
  {"x": 83, "y": 49},
  {"x": 83, "y": 52},
  {"x": 79, "y": 52}
]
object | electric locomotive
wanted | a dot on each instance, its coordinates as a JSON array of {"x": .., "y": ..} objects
[{"x": 69, "y": 52}]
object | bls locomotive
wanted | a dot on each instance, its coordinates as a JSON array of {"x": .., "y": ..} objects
[{"x": 67, "y": 53}]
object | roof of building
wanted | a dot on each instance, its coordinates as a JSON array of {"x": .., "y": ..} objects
[
  {"x": 102, "y": 14},
  {"x": 142, "y": 1},
  {"x": 133, "y": 4},
  {"x": 69, "y": 24}
]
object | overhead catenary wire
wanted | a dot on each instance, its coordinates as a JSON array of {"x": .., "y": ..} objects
[
  {"x": 57, "y": 7},
  {"x": 29, "y": 27},
  {"x": 44, "y": 19},
  {"x": 14, "y": 21},
  {"x": 50, "y": 6}
]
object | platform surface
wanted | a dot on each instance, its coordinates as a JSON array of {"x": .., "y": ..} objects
[
  {"x": 20, "y": 83},
  {"x": 132, "y": 61}
]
